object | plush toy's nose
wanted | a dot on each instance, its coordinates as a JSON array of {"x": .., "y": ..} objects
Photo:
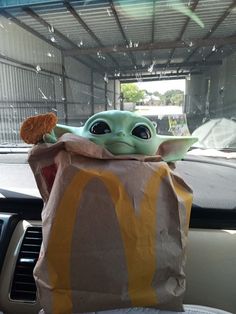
[{"x": 120, "y": 133}]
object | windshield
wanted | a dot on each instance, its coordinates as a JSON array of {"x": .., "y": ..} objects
[{"x": 173, "y": 61}]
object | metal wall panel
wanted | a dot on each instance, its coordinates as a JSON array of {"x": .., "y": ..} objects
[
  {"x": 117, "y": 94},
  {"x": 110, "y": 100},
  {"x": 78, "y": 92},
  {"x": 110, "y": 95},
  {"x": 78, "y": 113},
  {"x": 22, "y": 46},
  {"x": 12, "y": 115},
  {"x": 98, "y": 80},
  {"x": 117, "y": 102},
  {"x": 58, "y": 87},
  {"x": 110, "y": 86},
  {"x": 77, "y": 70},
  {"x": 99, "y": 96},
  {"x": 117, "y": 86},
  {"x": 19, "y": 84},
  {"x": 228, "y": 83},
  {"x": 99, "y": 108},
  {"x": 23, "y": 93},
  {"x": 99, "y": 100}
]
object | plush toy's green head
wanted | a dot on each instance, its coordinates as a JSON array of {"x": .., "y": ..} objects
[
  {"x": 121, "y": 132},
  {"x": 124, "y": 132}
]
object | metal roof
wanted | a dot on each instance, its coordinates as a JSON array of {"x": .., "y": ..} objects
[{"x": 132, "y": 37}]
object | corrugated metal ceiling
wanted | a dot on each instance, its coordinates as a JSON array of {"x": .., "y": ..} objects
[{"x": 131, "y": 24}]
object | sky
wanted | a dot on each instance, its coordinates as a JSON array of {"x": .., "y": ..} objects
[{"x": 162, "y": 86}]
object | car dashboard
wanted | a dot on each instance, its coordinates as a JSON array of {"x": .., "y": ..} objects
[{"x": 210, "y": 269}]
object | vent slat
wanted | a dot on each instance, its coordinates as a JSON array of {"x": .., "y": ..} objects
[
  {"x": 33, "y": 242},
  {"x": 23, "y": 269},
  {"x": 29, "y": 254},
  {"x": 31, "y": 247},
  {"x": 24, "y": 278},
  {"x": 23, "y": 284},
  {"x": 24, "y": 291}
]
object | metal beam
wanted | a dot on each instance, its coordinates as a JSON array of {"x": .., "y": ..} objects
[
  {"x": 155, "y": 79},
  {"x": 92, "y": 93},
  {"x": 214, "y": 27},
  {"x": 85, "y": 26},
  {"x": 64, "y": 88},
  {"x": 180, "y": 77},
  {"x": 153, "y": 20},
  {"x": 122, "y": 31},
  {"x": 161, "y": 67},
  {"x": 143, "y": 76},
  {"x": 106, "y": 100},
  {"x": 153, "y": 28},
  {"x": 216, "y": 49},
  {"x": 114, "y": 86},
  {"x": 192, "y": 8},
  {"x": 39, "y": 19},
  {"x": 155, "y": 46}
]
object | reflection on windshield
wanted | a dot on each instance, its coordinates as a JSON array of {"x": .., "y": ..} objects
[
  {"x": 216, "y": 133},
  {"x": 173, "y": 61}
]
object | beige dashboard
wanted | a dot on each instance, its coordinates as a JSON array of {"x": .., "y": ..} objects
[{"x": 211, "y": 275}]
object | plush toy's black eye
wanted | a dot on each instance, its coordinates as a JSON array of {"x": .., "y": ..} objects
[
  {"x": 141, "y": 131},
  {"x": 100, "y": 127}
]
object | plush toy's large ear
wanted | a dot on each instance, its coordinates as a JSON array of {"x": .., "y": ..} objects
[
  {"x": 173, "y": 148},
  {"x": 59, "y": 130}
]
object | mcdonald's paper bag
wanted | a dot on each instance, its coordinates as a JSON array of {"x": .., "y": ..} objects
[{"x": 114, "y": 229}]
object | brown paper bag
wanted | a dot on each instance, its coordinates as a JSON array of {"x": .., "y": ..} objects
[{"x": 114, "y": 229}]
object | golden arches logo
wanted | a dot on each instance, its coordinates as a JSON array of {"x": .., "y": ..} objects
[{"x": 142, "y": 225}]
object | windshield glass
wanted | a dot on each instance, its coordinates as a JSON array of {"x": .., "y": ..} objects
[{"x": 173, "y": 61}]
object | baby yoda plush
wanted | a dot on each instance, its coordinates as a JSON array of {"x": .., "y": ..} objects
[{"x": 120, "y": 132}]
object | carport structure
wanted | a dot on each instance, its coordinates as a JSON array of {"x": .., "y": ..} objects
[
  {"x": 129, "y": 36},
  {"x": 123, "y": 41}
]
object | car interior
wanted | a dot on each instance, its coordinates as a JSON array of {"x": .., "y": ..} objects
[{"x": 71, "y": 57}]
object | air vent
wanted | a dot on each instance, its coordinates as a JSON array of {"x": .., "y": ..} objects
[{"x": 23, "y": 284}]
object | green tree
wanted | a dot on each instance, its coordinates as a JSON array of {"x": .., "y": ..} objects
[
  {"x": 132, "y": 93},
  {"x": 174, "y": 97},
  {"x": 156, "y": 93},
  {"x": 161, "y": 96},
  {"x": 147, "y": 93}
]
